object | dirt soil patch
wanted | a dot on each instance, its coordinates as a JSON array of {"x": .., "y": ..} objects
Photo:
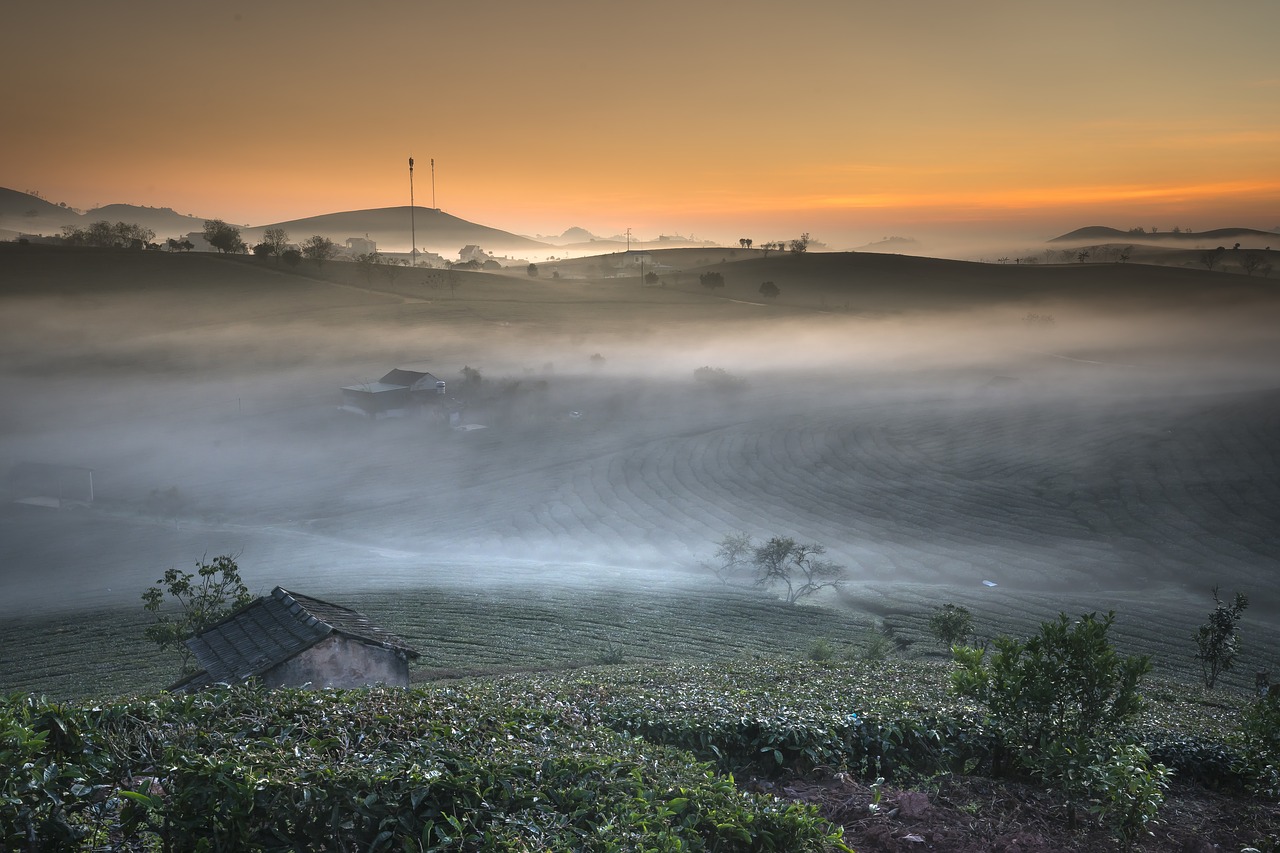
[{"x": 977, "y": 815}]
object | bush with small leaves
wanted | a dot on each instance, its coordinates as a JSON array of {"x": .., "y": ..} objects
[
  {"x": 1218, "y": 640},
  {"x": 1059, "y": 701},
  {"x": 1127, "y": 789},
  {"x": 1258, "y": 759},
  {"x": 951, "y": 624}
]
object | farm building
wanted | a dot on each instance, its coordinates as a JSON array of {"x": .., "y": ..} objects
[
  {"x": 289, "y": 640},
  {"x": 399, "y": 393}
]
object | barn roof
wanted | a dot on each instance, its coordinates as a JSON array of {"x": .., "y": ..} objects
[
  {"x": 270, "y": 631},
  {"x": 409, "y": 379}
]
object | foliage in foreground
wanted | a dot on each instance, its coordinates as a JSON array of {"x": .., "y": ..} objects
[
  {"x": 374, "y": 770},
  {"x": 607, "y": 758}
]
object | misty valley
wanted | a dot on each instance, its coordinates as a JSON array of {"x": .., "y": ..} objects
[{"x": 1014, "y": 442}]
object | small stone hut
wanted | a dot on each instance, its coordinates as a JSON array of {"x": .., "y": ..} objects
[{"x": 289, "y": 640}]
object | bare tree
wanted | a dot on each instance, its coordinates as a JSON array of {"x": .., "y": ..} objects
[
  {"x": 800, "y": 568},
  {"x": 275, "y": 241},
  {"x": 1250, "y": 262},
  {"x": 733, "y": 556},
  {"x": 800, "y": 245}
]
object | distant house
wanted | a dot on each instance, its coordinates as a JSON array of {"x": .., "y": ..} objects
[
  {"x": 471, "y": 252},
  {"x": 630, "y": 259},
  {"x": 395, "y": 395},
  {"x": 289, "y": 640},
  {"x": 196, "y": 238},
  {"x": 361, "y": 245}
]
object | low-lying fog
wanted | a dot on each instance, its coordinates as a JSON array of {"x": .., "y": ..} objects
[{"x": 1097, "y": 451}]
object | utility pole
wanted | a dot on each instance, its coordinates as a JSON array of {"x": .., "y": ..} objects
[
  {"x": 433, "y": 184},
  {"x": 413, "y": 235}
]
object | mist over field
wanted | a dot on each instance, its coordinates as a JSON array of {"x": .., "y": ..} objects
[{"x": 1106, "y": 433}]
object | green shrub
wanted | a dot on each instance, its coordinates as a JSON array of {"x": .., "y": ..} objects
[
  {"x": 1127, "y": 790},
  {"x": 1060, "y": 702},
  {"x": 951, "y": 624},
  {"x": 821, "y": 651},
  {"x": 1258, "y": 760}
]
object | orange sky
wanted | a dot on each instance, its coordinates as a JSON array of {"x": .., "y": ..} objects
[{"x": 849, "y": 119}]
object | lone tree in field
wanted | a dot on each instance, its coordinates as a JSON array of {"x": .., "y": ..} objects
[
  {"x": 319, "y": 249},
  {"x": 711, "y": 280},
  {"x": 951, "y": 624},
  {"x": 1211, "y": 257},
  {"x": 1218, "y": 639},
  {"x": 769, "y": 290},
  {"x": 532, "y": 270},
  {"x": 800, "y": 245},
  {"x": 797, "y": 567},
  {"x": 1250, "y": 263},
  {"x": 212, "y": 592},
  {"x": 223, "y": 237}
]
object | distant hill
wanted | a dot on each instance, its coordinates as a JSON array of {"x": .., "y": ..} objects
[
  {"x": 1103, "y": 234},
  {"x": 572, "y": 235},
  {"x": 389, "y": 227},
  {"x": 23, "y": 213},
  {"x": 891, "y": 244}
]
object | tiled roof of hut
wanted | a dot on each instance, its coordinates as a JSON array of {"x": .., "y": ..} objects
[{"x": 271, "y": 630}]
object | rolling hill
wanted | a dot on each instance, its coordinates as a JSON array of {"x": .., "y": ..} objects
[
  {"x": 1103, "y": 233},
  {"x": 23, "y": 213},
  {"x": 390, "y": 228}
]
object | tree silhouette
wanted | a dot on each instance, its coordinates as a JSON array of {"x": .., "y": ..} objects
[
  {"x": 319, "y": 249},
  {"x": 711, "y": 280},
  {"x": 223, "y": 237}
]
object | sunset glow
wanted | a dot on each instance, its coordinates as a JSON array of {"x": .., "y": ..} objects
[{"x": 845, "y": 119}]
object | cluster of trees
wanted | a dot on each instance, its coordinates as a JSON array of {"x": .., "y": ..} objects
[
  {"x": 798, "y": 246},
  {"x": 120, "y": 235},
  {"x": 1250, "y": 262},
  {"x": 275, "y": 243}
]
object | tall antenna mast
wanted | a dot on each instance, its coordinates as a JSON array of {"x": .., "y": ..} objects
[
  {"x": 413, "y": 235},
  {"x": 433, "y": 184}
]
